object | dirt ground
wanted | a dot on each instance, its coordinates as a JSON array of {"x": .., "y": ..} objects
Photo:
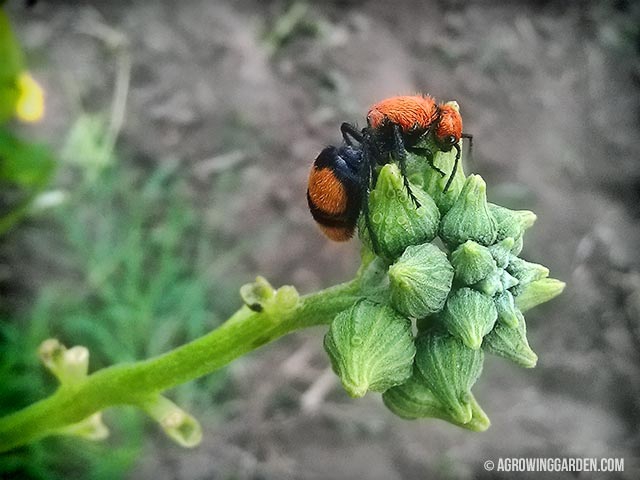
[{"x": 550, "y": 91}]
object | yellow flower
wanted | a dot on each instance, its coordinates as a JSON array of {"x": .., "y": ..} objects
[{"x": 30, "y": 105}]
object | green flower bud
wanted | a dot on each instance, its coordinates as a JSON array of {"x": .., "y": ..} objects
[
  {"x": 511, "y": 223},
  {"x": 413, "y": 399},
  {"x": 434, "y": 182},
  {"x": 260, "y": 296},
  {"x": 370, "y": 347},
  {"x": 285, "y": 301},
  {"x": 506, "y": 308},
  {"x": 256, "y": 294},
  {"x": 507, "y": 280},
  {"x": 469, "y": 218},
  {"x": 68, "y": 365},
  {"x": 518, "y": 244},
  {"x": 491, "y": 284},
  {"x": 179, "y": 425},
  {"x": 51, "y": 353},
  {"x": 472, "y": 262},
  {"x": 183, "y": 429},
  {"x": 525, "y": 272},
  {"x": 538, "y": 292},
  {"x": 511, "y": 343},
  {"x": 469, "y": 315},
  {"x": 479, "y": 420},
  {"x": 449, "y": 369},
  {"x": 420, "y": 281},
  {"x": 502, "y": 250},
  {"x": 393, "y": 217}
]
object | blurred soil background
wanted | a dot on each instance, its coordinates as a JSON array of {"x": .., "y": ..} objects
[{"x": 185, "y": 132}]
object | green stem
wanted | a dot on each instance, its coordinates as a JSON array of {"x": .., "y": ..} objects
[{"x": 135, "y": 383}]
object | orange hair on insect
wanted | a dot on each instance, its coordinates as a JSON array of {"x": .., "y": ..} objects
[
  {"x": 449, "y": 127},
  {"x": 326, "y": 192},
  {"x": 410, "y": 112},
  {"x": 338, "y": 234}
]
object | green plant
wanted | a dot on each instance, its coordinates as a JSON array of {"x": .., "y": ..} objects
[
  {"x": 10, "y": 68},
  {"x": 25, "y": 171},
  {"x": 25, "y": 168},
  {"x": 466, "y": 292},
  {"x": 137, "y": 272}
]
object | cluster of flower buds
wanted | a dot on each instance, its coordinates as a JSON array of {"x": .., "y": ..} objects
[{"x": 448, "y": 270}]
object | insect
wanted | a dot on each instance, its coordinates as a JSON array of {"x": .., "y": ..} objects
[
  {"x": 337, "y": 185},
  {"x": 341, "y": 177},
  {"x": 399, "y": 123}
]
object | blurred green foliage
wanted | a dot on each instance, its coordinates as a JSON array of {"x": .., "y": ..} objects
[
  {"x": 292, "y": 21},
  {"x": 10, "y": 67},
  {"x": 25, "y": 170},
  {"x": 138, "y": 270}
]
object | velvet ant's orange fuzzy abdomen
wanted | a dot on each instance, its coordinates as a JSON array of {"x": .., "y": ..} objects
[
  {"x": 408, "y": 111},
  {"x": 326, "y": 192},
  {"x": 329, "y": 197},
  {"x": 338, "y": 234},
  {"x": 335, "y": 188}
]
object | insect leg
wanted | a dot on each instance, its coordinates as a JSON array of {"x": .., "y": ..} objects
[
  {"x": 366, "y": 179},
  {"x": 453, "y": 170},
  {"x": 350, "y": 132},
  {"x": 401, "y": 156},
  {"x": 428, "y": 154}
]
